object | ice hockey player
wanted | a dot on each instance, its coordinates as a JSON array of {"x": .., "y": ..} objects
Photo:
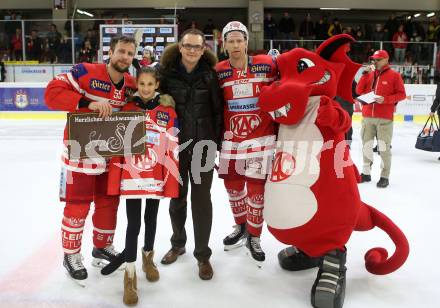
[
  {"x": 86, "y": 88},
  {"x": 249, "y": 137}
]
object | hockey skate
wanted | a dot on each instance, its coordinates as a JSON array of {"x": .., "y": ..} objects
[
  {"x": 103, "y": 256},
  {"x": 255, "y": 251},
  {"x": 75, "y": 268},
  {"x": 237, "y": 238},
  {"x": 328, "y": 291},
  {"x": 293, "y": 259}
]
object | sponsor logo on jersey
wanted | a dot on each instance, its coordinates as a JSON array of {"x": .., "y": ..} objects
[
  {"x": 283, "y": 167},
  {"x": 146, "y": 161},
  {"x": 78, "y": 71},
  {"x": 152, "y": 137},
  {"x": 73, "y": 222},
  {"x": 100, "y": 85},
  {"x": 21, "y": 99},
  {"x": 61, "y": 77},
  {"x": 242, "y": 125},
  {"x": 224, "y": 74},
  {"x": 255, "y": 166},
  {"x": 116, "y": 103},
  {"x": 260, "y": 68},
  {"x": 240, "y": 105},
  {"x": 164, "y": 116},
  {"x": 162, "y": 123}
]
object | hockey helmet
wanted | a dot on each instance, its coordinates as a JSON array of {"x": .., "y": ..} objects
[{"x": 235, "y": 26}]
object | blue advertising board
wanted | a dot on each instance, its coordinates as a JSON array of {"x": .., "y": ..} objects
[{"x": 22, "y": 99}]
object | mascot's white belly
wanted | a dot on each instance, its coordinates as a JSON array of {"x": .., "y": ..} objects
[{"x": 289, "y": 201}]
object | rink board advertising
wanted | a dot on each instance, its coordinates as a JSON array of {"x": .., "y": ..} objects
[
  {"x": 120, "y": 134},
  {"x": 157, "y": 36}
]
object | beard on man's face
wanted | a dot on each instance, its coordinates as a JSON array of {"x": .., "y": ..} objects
[{"x": 118, "y": 68}]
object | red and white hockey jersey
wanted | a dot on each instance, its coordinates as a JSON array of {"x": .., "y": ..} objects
[
  {"x": 154, "y": 174},
  {"x": 91, "y": 82},
  {"x": 249, "y": 132}
]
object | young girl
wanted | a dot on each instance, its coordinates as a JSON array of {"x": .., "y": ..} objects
[{"x": 152, "y": 175}]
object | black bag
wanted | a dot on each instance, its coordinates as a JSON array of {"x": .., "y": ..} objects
[{"x": 429, "y": 139}]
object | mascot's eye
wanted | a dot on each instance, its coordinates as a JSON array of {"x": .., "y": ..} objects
[{"x": 304, "y": 64}]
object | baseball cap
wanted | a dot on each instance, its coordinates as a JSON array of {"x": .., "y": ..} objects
[{"x": 380, "y": 54}]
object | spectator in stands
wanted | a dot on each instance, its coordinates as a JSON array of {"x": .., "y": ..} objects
[
  {"x": 416, "y": 48},
  {"x": 68, "y": 27},
  {"x": 125, "y": 20},
  {"x": 34, "y": 46},
  {"x": 148, "y": 56},
  {"x": 379, "y": 33},
  {"x": 286, "y": 28},
  {"x": 4, "y": 46},
  {"x": 11, "y": 25},
  {"x": 2, "y": 71},
  {"x": 65, "y": 50},
  {"x": 433, "y": 30},
  {"x": 321, "y": 28},
  {"x": 368, "y": 31},
  {"x": 47, "y": 56},
  {"x": 349, "y": 30},
  {"x": 17, "y": 45},
  {"x": 87, "y": 53},
  {"x": 358, "y": 47},
  {"x": 91, "y": 36},
  {"x": 111, "y": 21},
  {"x": 270, "y": 29},
  {"x": 307, "y": 31},
  {"x": 335, "y": 28},
  {"x": 192, "y": 25},
  {"x": 400, "y": 42},
  {"x": 54, "y": 42},
  {"x": 391, "y": 26},
  {"x": 78, "y": 41},
  {"x": 209, "y": 28}
]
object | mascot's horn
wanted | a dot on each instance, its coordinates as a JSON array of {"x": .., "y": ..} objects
[{"x": 335, "y": 50}]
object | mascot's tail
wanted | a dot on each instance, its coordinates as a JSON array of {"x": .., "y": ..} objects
[{"x": 376, "y": 259}]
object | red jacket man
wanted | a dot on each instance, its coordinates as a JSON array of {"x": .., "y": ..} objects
[{"x": 377, "y": 121}]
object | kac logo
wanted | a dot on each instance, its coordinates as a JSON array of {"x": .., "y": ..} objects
[
  {"x": 242, "y": 125},
  {"x": 283, "y": 167},
  {"x": 146, "y": 161}
]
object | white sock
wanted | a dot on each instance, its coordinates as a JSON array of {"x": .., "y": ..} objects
[{"x": 130, "y": 268}]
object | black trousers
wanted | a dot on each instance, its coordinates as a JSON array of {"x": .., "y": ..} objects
[
  {"x": 201, "y": 208},
  {"x": 134, "y": 215}
]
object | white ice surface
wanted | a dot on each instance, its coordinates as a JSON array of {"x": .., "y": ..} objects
[{"x": 31, "y": 272}]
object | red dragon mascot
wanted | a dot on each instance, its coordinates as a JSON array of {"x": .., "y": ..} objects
[{"x": 312, "y": 200}]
